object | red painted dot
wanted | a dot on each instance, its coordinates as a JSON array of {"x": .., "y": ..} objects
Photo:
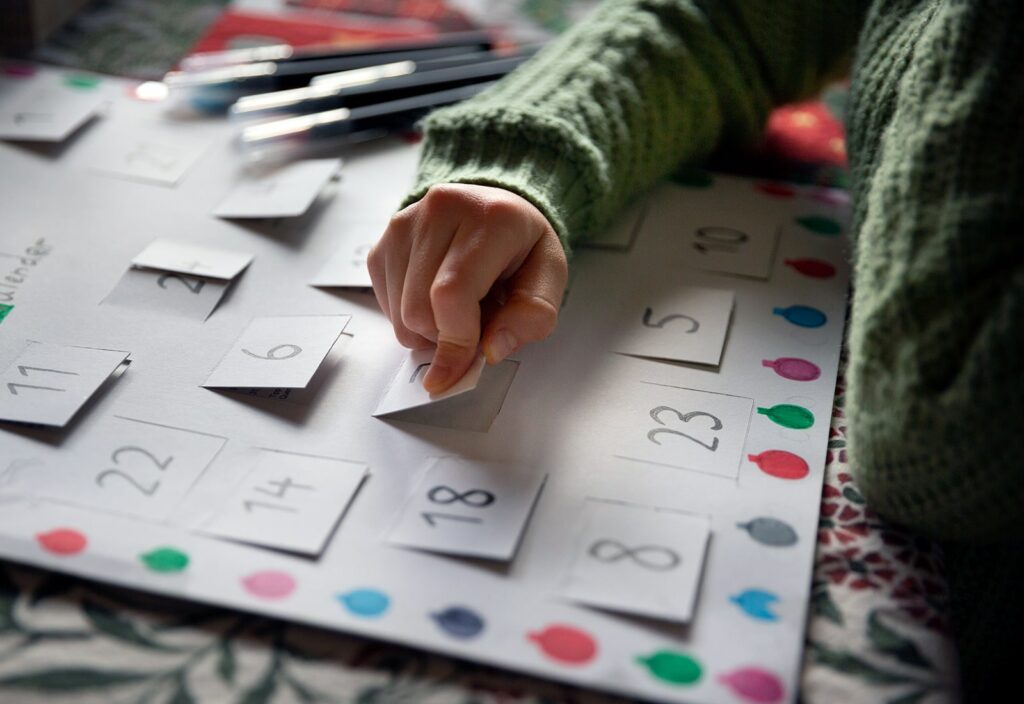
[
  {"x": 19, "y": 70},
  {"x": 565, "y": 644},
  {"x": 781, "y": 464},
  {"x": 62, "y": 541},
  {"x": 815, "y": 268},
  {"x": 779, "y": 190}
]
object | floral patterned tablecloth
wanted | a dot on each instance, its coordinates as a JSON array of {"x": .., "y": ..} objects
[{"x": 878, "y": 624}]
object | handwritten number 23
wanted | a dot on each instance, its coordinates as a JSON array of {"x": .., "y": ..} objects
[{"x": 656, "y": 413}]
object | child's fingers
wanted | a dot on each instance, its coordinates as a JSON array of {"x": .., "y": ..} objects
[{"x": 531, "y": 310}]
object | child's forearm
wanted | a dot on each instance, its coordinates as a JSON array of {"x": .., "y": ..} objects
[{"x": 631, "y": 92}]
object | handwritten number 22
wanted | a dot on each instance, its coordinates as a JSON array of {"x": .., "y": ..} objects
[
  {"x": 149, "y": 490},
  {"x": 716, "y": 424}
]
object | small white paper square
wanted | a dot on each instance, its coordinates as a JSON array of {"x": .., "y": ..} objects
[
  {"x": 282, "y": 351},
  {"x": 685, "y": 324},
  {"x": 684, "y": 428},
  {"x": 638, "y": 560},
  {"x": 463, "y": 507},
  {"x": 46, "y": 112},
  {"x": 48, "y": 383},
  {"x": 738, "y": 245},
  {"x": 288, "y": 501},
  {"x": 347, "y": 267},
  {"x": 406, "y": 391},
  {"x": 284, "y": 192},
  {"x": 152, "y": 154},
  {"x": 191, "y": 258},
  {"x": 164, "y": 292}
]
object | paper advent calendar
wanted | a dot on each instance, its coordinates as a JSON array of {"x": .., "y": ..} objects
[{"x": 200, "y": 398}]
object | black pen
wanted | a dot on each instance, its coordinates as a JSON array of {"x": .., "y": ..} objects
[
  {"x": 377, "y": 84},
  {"x": 287, "y": 53},
  {"x": 296, "y": 135}
]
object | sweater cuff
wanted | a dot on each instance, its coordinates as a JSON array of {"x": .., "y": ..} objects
[{"x": 539, "y": 158}]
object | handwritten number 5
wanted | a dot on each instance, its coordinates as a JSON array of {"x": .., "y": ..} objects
[
  {"x": 694, "y": 325},
  {"x": 716, "y": 424}
]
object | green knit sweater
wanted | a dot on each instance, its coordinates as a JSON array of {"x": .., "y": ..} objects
[{"x": 936, "y": 341}]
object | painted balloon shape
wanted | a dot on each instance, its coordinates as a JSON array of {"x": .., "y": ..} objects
[
  {"x": 269, "y": 584},
  {"x": 820, "y": 225},
  {"x": 165, "y": 560},
  {"x": 770, "y": 531},
  {"x": 82, "y": 81},
  {"x": 789, "y": 416},
  {"x": 62, "y": 541},
  {"x": 672, "y": 667},
  {"x": 815, "y": 268},
  {"x": 692, "y": 177},
  {"x": 459, "y": 622},
  {"x": 781, "y": 464},
  {"x": 368, "y": 603},
  {"x": 754, "y": 685},
  {"x": 831, "y": 197},
  {"x": 756, "y": 603},
  {"x": 804, "y": 316},
  {"x": 565, "y": 644},
  {"x": 793, "y": 368},
  {"x": 19, "y": 70},
  {"x": 779, "y": 190}
]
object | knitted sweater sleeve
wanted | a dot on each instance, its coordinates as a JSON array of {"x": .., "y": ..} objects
[{"x": 636, "y": 89}]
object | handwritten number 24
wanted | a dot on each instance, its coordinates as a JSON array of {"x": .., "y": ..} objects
[{"x": 656, "y": 413}]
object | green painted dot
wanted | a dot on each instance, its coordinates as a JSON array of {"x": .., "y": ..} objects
[
  {"x": 80, "y": 80},
  {"x": 789, "y": 416},
  {"x": 820, "y": 225},
  {"x": 672, "y": 667},
  {"x": 5, "y": 310},
  {"x": 165, "y": 560},
  {"x": 692, "y": 177}
]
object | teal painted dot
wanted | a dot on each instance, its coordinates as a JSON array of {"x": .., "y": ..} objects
[
  {"x": 692, "y": 177},
  {"x": 672, "y": 667},
  {"x": 820, "y": 225},
  {"x": 80, "y": 80},
  {"x": 368, "y": 603},
  {"x": 804, "y": 316}
]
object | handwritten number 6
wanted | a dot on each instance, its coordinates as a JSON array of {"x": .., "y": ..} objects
[
  {"x": 716, "y": 424},
  {"x": 272, "y": 353}
]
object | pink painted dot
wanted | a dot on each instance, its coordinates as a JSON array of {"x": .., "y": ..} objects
[
  {"x": 781, "y": 464},
  {"x": 814, "y": 268},
  {"x": 793, "y": 368},
  {"x": 269, "y": 584},
  {"x": 754, "y": 685},
  {"x": 831, "y": 197},
  {"x": 62, "y": 541},
  {"x": 19, "y": 70},
  {"x": 565, "y": 644},
  {"x": 778, "y": 190}
]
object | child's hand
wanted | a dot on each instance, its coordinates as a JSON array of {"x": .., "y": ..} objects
[{"x": 458, "y": 250}]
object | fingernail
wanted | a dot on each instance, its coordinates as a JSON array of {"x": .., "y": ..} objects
[
  {"x": 502, "y": 344},
  {"x": 436, "y": 378}
]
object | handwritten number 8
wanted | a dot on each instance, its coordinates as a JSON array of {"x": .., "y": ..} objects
[{"x": 272, "y": 353}]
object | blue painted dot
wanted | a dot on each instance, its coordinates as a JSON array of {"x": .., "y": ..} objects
[
  {"x": 368, "y": 603},
  {"x": 756, "y": 603},
  {"x": 459, "y": 621},
  {"x": 804, "y": 316}
]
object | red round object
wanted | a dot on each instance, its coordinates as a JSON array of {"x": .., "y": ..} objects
[
  {"x": 62, "y": 541},
  {"x": 815, "y": 268},
  {"x": 781, "y": 464},
  {"x": 565, "y": 644}
]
